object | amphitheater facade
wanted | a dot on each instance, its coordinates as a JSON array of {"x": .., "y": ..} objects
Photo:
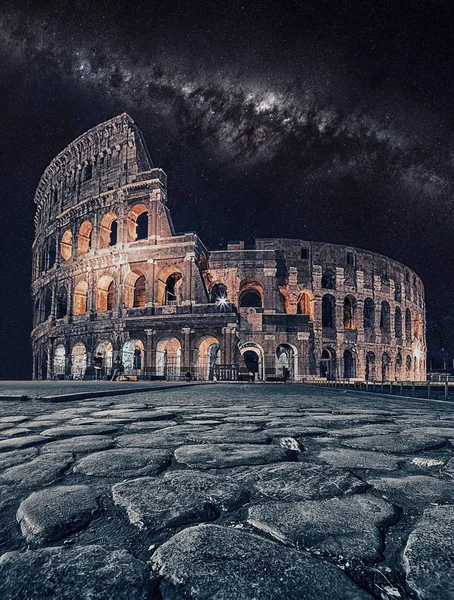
[{"x": 116, "y": 290}]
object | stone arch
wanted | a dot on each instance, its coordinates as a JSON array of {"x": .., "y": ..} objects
[
  {"x": 218, "y": 293},
  {"x": 328, "y": 281},
  {"x": 170, "y": 280},
  {"x": 52, "y": 252},
  {"x": 398, "y": 322},
  {"x": 133, "y": 357},
  {"x": 62, "y": 302},
  {"x": 385, "y": 367},
  {"x": 408, "y": 324},
  {"x": 328, "y": 311},
  {"x": 108, "y": 230},
  {"x": 66, "y": 246},
  {"x": 80, "y": 298},
  {"x": 78, "y": 360},
  {"x": 253, "y": 357},
  {"x": 328, "y": 364},
  {"x": 350, "y": 312},
  {"x": 105, "y": 349},
  {"x": 84, "y": 238},
  {"x": 59, "y": 364},
  {"x": 349, "y": 364},
  {"x": 138, "y": 223},
  {"x": 408, "y": 367},
  {"x": 398, "y": 366},
  {"x": 369, "y": 314},
  {"x": 287, "y": 358},
  {"x": 385, "y": 317},
  {"x": 168, "y": 358},
  {"x": 251, "y": 293},
  {"x": 209, "y": 354},
  {"x": 47, "y": 303},
  {"x": 370, "y": 374},
  {"x": 135, "y": 290},
  {"x": 105, "y": 294},
  {"x": 305, "y": 304}
]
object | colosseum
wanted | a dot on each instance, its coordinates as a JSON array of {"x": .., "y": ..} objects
[{"x": 117, "y": 293}]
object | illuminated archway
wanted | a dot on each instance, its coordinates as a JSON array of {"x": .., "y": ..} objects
[
  {"x": 135, "y": 290},
  {"x": 84, "y": 241},
  {"x": 138, "y": 223},
  {"x": 170, "y": 280},
  {"x": 105, "y": 349},
  {"x": 168, "y": 358},
  {"x": 78, "y": 361},
  {"x": 105, "y": 294},
  {"x": 80, "y": 298},
  {"x": 253, "y": 357},
  {"x": 209, "y": 355},
  {"x": 133, "y": 357},
  {"x": 59, "y": 361},
  {"x": 66, "y": 246},
  {"x": 108, "y": 230}
]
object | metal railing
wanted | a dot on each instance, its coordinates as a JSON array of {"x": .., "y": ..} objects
[{"x": 443, "y": 390}]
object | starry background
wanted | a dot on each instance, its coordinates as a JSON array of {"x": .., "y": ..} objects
[{"x": 319, "y": 120}]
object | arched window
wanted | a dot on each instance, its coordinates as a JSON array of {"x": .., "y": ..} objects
[
  {"x": 84, "y": 242},
  {"x": 52, "y": 252},
  {"x": 88, "y": 172},
  {"x": 140, "y": 292},
  {"x": 397, "y": 292},
  {"x": 385, "y": 367},
  {"x": 328, "y": 364},
  {"x": 251, "y": 298},
  {"x": 328, "y": 307},
  {"x": 108, "y": 230},
  {"x": 66, "y": 248},
  {"x": 304, "y": 305},
  {"x": 408, "y": 325},
  {"x": 329, "y": 280},
  {"x": 171, "y": 292},
  {"x": 349, "y": 312},
  {"x": 349, "y": 365},
  {"x": 218, "y": 293},
  {"x": 385, "y": 323},
  {"x": 48, "y": 304},
  {"x": 369, "y": 313},
  {"x": 398, "y": 322},
  {"x": 399, "y": 366},
  {"x": 105, "y": 294},
  {"x": 37, "y": 312},
  {"x": 62, "y": 302},
  {"x": 370, "y": 367},
  {"x": 80, "y": 298},
  {"x": 138, "y": 223},
  {"x": 43, "y": 267}
]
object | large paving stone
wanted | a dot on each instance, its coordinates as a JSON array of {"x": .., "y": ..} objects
[
  {"x": 74, "y": 430},
  {"x": 85, "y": 443},
  {"x": 14, "y": 419},
  {"x": 124, "y": 462},
  {"x": 365, "y": 430},
  {"x": 346, "y": 527},
  {"x": 52, "y": 513},
  {"x": 399, "y": 443},
  {"x": 429, "y": 555},
  {"x": 357, "y": 459},
  {"x": 232, "y": 434},
  {"x": 16, "y": 457},
  {"x": 215, "y": 456},
  {"x": 82, "y": 573},
  {"x": 15, "y": 432},
  {"x": 299, "y": 481},
  {"x": 414, "y": 491},
  {"x": 177, "y": 498},
  {"x": 17, "y": 443},
  {"x": 148, "y": 426},
  {"x": 40, "y": 471},
  {"x": 296, "y": 431},
  {"x": 210, "y": 562},
  {"x": 136, "y": 415},
  {"x": 169, "y": 437}
]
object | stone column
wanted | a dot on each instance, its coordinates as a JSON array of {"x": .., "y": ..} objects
[
  {"x": 149, "y": 353},
  {"x": 186, "y": 350},
  {"x": 270, "y": 290}
]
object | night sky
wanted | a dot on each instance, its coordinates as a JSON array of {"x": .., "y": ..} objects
[{"x": 319, "y": 120}]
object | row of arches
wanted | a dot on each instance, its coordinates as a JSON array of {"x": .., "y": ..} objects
[{"x": 136, "y": 225}]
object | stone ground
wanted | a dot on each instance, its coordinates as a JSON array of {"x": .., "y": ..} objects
[{"x": 224, "y": 492}]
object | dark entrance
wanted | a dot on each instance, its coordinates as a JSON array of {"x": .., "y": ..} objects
[{"x": 251, "y": 361}]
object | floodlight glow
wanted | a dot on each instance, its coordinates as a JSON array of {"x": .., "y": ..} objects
[
  {"x": 221, "y": 301},
  {"x": 418, "y": 353}
]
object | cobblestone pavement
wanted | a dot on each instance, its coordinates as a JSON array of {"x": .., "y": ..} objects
[{"x": 227, "y": 492}]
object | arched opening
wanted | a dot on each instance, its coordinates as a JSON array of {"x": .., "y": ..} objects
[
  {"x": 37, "y": 312},
  {"x": 329, "y": 280},
  {"x": 218, "y": 294},
  {"x": 253, "y": 360},
  {"x": 66, "y": 246},
  {"x": 133, "y": 357},
  {"x": 62, "y": 302},
  {"x": 328, "y": 364},
  {"x": 105, "y": 294},
  {"x": 399, "y": 366},
  {"x": 168, "y": 358},
  {"x": 286, "y": 362},
  {"x": 59, "y": 365},
  {"x": 44, "y": 369},
  {"x": 108, "y": 230},
  {"x": 417, "y": 326},
  {"x": 84, "y": 241},
  {"x": 170, "y": 280},
  {"x": 398, "y": 323},
  {"x": 349, "y": 365},
  {"x": 370, "y": 374},
  {"x": 369, "y": 313},
  {"x": 408, "y": 325},
  {"x": 397, "y": 292},
  {"x": 349, "y": 312},
  {"x": 408, "y": 367},
  {"x": 138, "y": 223},
  {"x": 47, "y": 304},
  {"x": 78, "y": 361},
  {"x": 209, "y": 355},
  {"x": 304, "y": 305},
  {"x": 52, "y": 252},
  {"x": 385, "y": 321},
  {"x": 385, "y": 367},
  {"x": 328, "y": 308},
  {"x": 135, "y": 290},
  {"x": 43, "y": 262},
  {"x": 251, "y": 294},
  {"x": 104, "y": 358},
  {"x": 80, "y": 298}
]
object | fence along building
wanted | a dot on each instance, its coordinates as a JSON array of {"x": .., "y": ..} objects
[{"x": 114, "y": 286}]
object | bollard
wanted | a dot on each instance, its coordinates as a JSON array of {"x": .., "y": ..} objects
[
  {"x": 446, "y": 390},
  {"x": 428, "y": 389},
  {"x": 401, "y": 389},
  {"x": 413, "y": 388},
  {"x": 391, "y": 388}
]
